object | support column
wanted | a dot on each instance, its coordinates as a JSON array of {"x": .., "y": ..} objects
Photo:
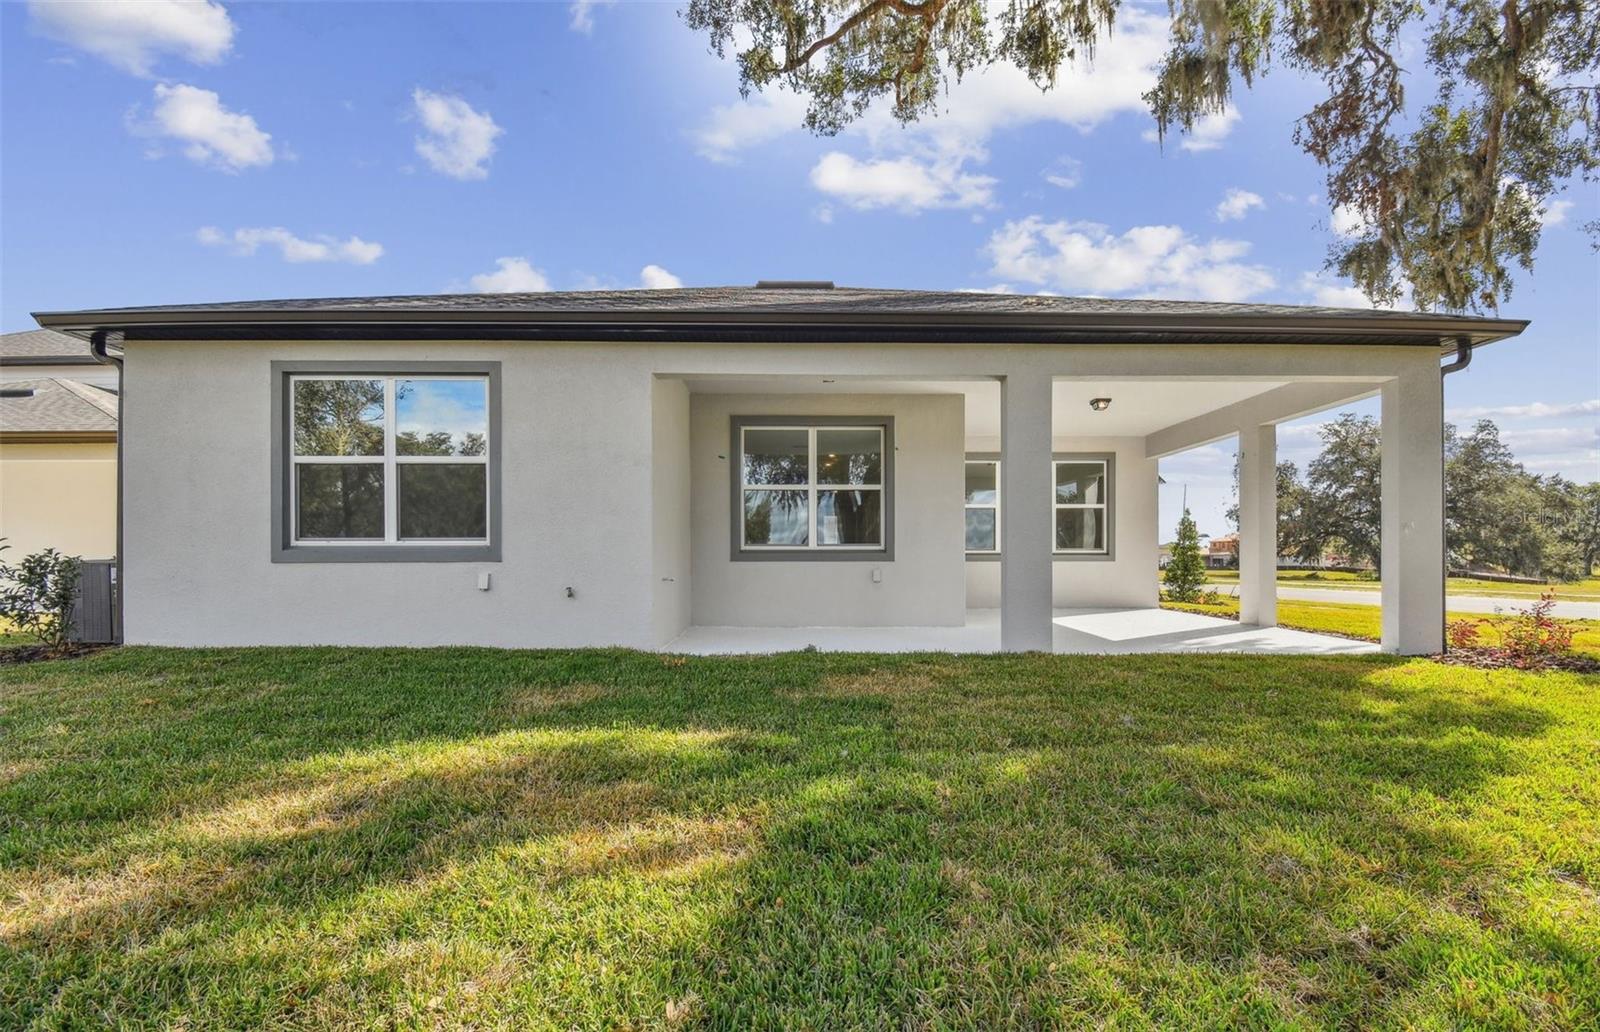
[
  {"x": 1027, "y": 514},
  {"x": 1412, "y": 487},
  {"x": 1258, "y": 524}
]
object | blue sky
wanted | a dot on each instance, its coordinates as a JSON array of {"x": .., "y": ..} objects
[{"x": 166, "y": 153}]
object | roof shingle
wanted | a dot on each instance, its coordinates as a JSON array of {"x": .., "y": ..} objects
[
  {"x": 62, "y": 348},
  {"x": 56, "y": 406}
]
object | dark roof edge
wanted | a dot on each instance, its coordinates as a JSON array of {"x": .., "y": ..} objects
[
  {"x": 819, "y": 327},
  {"x": 47, "y": 360}
]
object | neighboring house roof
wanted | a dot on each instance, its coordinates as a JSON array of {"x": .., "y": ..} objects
[
  {"x": 43, "y": 347},
  {"x": 803, "y": 313},
  {"x": 56, "y": 409}
]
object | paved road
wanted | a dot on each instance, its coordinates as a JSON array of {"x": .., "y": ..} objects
[{"x": 1454, "y": 603}]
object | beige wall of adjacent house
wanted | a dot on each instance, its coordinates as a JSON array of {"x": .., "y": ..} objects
[
  {"x": 61, "y": 496},
  {"x": 921, "y": 584},
  {"x": 1128, "y": 578}
]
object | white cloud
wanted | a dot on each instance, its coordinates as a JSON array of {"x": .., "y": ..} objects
[
  {"x": 459, "y": 140},
  {"x": 1533, "y": 410},
  {"x": 1236, "y": 204},
  {"x": 731, "y": 128},
  {"x": 1347, "y": 221},
  {"x": 511, "y": 276},
  {"x": 1208, "y": 133},
  {"x": 1555, "y": 213},
  {"x": 654, "y": 277},
  {"x": 1552, "y": 440},
  {"x": 1158, "y": 261},
  {"x": 943, "y": 143},
  {"x": 582, "y": 12},
  {"x": 1335, "y": 293},
  {"x": 210, "y": 133},
  {"x": 132, "y": 36},
  {"x": 1064, "y": 172},
  {"x": 904, "y": 183},
  {"x": 322, "y": 248}
]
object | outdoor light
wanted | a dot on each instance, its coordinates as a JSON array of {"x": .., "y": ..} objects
[{"x": 1099, "y": 404}]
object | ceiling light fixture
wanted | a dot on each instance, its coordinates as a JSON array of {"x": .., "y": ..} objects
[{"x": 1099, "y": 404}]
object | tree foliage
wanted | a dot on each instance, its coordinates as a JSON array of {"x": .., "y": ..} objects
[
  {"x": 1343, "y": 499},
  {"x": 1446, "y": 197},
  {"x": 1498, "y": 516},
  {"x": 1185, "y": 574}
]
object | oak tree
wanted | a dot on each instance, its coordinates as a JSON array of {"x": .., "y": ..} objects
[{"x": 1443, "y": 197}]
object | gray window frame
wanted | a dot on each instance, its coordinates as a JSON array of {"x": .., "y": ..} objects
[
  {"x": 999, "y": 540},
  {"x": 284, "y": 550},
  {"x": 1110, "y": 554},
  {"x": 740, "y": 554}
]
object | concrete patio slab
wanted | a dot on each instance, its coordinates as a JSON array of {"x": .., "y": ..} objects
[{"x": 1097, "y": 631}]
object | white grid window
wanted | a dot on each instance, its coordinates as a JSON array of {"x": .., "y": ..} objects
[
  {"x": 389, "y": 459},
  {"x": 1081, "y": 507},
  {"x": 983, "y": 506},
  {"x": 811, "y": 488}
]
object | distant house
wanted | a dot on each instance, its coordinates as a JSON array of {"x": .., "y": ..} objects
[
  {"x": 58, "y": 447},
  {"x": 1222, "y": 553}
]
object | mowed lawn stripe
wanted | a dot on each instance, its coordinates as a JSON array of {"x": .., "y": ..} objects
[{"x": 475, "y": 838}]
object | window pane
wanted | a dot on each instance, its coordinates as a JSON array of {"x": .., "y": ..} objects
[
  {"x": 1080, "y": 482},
  {"x": 980, "y": 530},
  {"x": 982, "y": 486},
  {"x": 849, "y": 456},
  {"x": 849, "y": 517},
  {"x": 441, "y": 417},
  {"x": 775, "y": 518},
  {"x": 443, "y": 500},
  {"x": 338, "y": 417},
  {"x": 339, "y": 500},
  {"x": 1080, "y": 529},
  {"x": 775, "y": 456}
]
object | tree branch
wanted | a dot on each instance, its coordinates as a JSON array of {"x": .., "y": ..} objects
[{"x": 927, "y": 11}]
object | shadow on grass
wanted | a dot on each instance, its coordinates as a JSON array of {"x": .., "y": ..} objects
[{"x": 346, "y": 837}]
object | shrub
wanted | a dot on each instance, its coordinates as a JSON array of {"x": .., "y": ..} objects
[
  {"x": 1211, "y": 598},
  {"x": 36, "y": 595},
  {"x": 1531, "y": 636},
  {"x": 1463, "y": 634},
  {"x": 1186, "y": 570}
]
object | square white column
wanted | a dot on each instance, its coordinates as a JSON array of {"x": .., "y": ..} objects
[
  {"x": 1258, "y": 524},
  {"x": 1412, "y": 487},
  {"x": 1027, "y": 514}
]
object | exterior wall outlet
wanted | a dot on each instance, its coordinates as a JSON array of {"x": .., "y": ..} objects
[
  {"x": 483, "y": 582},
  {"x": 877, "y": 575}
]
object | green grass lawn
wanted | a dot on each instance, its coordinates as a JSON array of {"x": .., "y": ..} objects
[
  {"x": 471, "y": 838},
  {"x": 1354, "y": 620},
  {"x": 1586, "y": 590}
]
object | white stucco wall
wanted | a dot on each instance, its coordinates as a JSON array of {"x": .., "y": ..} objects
[
  {"x": 1129, "y": 578},
  {"x": 576, "y": 428},
  {"x": 923, "y": 584},
  {"x": 669, "y": 510}
]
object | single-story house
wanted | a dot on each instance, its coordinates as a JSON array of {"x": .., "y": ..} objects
[
  {"x": 58, "y": 468},
  {"x": 622, "y": 467}
]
